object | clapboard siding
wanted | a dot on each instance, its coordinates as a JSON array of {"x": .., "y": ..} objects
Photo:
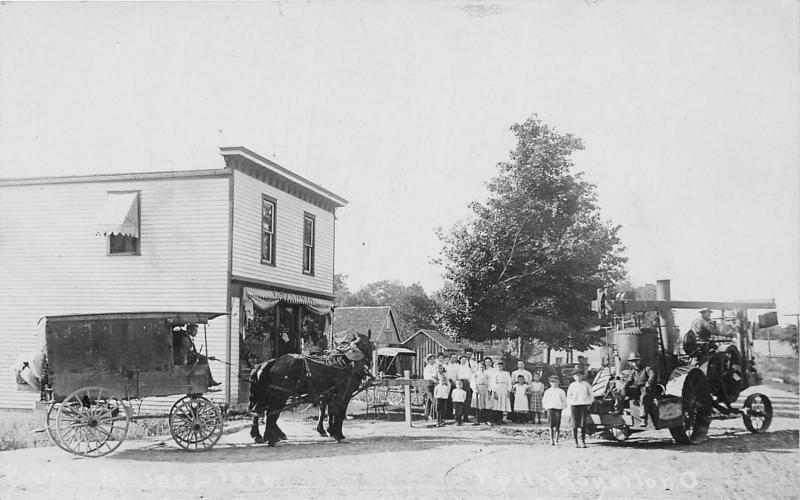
[
  {"x": 288, "y": 269},
  {"x": 51, "y": 261}
]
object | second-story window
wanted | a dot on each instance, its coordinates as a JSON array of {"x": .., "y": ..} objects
[
  {"x": 119, "y": 220},
  {"x": 308, "y": 244},
  {"x": 267, "y": 230}
]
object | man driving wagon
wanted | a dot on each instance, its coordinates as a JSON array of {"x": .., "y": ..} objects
[{"x": 185, "y": 352}]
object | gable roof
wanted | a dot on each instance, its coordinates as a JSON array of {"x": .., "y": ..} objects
[
  {"x": 378, "y": 319},
  {"x": 437, "y": 337}
]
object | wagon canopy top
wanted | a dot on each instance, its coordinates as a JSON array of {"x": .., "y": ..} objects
[
  {"x": 394, "y": 351},
  {"x": 172, "y": 317}
]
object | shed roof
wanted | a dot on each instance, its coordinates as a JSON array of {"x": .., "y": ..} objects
[
  {"x": 362, "y": 318},
  {"x": 437, "y": 337}
]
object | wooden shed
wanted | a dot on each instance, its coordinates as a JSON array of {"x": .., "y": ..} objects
[{"x": 426, "y": 342}]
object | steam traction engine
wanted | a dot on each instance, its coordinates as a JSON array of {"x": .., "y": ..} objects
[{"x": 696, "y": 380}]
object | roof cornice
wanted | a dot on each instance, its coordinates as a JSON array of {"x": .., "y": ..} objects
[{"x": 255, "y": 165}]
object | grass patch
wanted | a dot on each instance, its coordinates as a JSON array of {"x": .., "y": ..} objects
[
  {"x": 785, "y": 369},
  {"x": 16, "y": 431}
]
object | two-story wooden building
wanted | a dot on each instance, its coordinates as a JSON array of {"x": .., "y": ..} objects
[{"x": 252, "y": 240}]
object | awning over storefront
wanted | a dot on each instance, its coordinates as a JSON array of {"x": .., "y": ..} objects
[
  {"x": 119, "y": 215},
  {"x": 267, "y": 299}
]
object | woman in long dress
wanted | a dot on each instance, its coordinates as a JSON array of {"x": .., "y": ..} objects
[{"x": 501, "y": 389}]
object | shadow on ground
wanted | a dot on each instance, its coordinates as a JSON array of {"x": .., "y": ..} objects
[
  {"x": 305, "y": 448},
  {"x": 782, "y": 441}
]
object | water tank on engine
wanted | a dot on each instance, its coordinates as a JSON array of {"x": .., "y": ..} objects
[{"x": 643, "y": 341}]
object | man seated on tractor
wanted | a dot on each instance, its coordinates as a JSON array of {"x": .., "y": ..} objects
[
  {"x": 185, "y": 353},
  {"x": 704, "y": 330},
  {"x": 643, "y": 383}
]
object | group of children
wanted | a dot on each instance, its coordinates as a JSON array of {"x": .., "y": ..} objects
[{"x": 529, "y": 398}]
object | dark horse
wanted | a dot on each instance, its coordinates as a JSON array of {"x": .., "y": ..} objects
[{"x": 329, "y": 381}]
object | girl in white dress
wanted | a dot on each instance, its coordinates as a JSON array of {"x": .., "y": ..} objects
[
  {"x": 521, "y": 399},
  {"x": 501, "y": 389}
]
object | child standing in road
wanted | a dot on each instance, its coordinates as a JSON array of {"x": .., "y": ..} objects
[
  {"x": 554, "y": 400},
  {"x": 579, "y": 398},
  {"x": 459, "y": 395},
  {"x": 535, "y": 392},
  {"x": 442, "y": 393},
  {"x": 520, "y": 391}
]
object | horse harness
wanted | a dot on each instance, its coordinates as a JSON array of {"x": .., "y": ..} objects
[{"x": 336, "y": 361}]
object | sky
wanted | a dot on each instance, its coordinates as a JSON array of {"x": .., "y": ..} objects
[{"x": 689, "y": 112}]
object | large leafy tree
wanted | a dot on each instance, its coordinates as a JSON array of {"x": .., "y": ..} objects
[{"x": 529, "y": 260}]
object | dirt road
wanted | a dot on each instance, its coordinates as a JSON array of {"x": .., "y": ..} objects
[{"x": 388, "y": 459}]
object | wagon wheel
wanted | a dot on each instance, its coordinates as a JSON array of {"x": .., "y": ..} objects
[
  {"x": 758, "y": 413},
  {"x": 90, "y": 422},
  {"x": 195, "y": 423},
  {"x": 395, "y": 397},
  {"x": 417, "y": 396},
  {"x": 696, "y": 400}
]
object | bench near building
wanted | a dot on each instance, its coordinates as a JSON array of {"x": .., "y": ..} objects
[{"x": 251, "y": 240}]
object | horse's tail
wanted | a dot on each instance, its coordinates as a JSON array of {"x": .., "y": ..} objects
[{"x": 259, "y": 383}]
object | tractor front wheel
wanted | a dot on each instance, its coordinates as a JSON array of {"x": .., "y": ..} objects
[{"x": 757, "y": 414}]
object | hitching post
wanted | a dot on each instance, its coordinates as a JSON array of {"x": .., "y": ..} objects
[{"x": 407, "y": 391}]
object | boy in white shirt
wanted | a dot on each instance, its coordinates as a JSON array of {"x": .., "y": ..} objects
[
  {"x": 459, "y": 395},
  {"x": 579, "y": 397},
  {"x": 554, "y": 400},
  {"x": 442, "y": 393}
]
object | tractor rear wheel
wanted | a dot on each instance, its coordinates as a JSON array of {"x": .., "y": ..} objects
[
  {"x": 696, "y": 400},
  {"x": 757, "y": 414}
]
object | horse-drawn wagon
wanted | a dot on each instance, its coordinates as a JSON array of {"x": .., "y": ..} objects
[{"x": 97, "y": 363}]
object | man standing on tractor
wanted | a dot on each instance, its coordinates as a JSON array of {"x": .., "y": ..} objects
[{"x": 644, "y": 379}]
